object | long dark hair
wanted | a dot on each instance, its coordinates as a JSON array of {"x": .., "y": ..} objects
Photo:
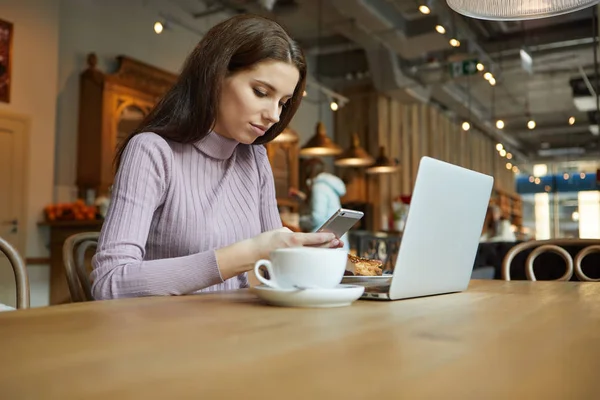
[{"x": 187, "y": 112}]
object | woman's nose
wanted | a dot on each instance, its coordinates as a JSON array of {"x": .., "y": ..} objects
[{"x": 272, "y": 114}]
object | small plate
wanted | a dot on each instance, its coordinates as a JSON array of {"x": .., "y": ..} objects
[
  {"x": 367, "y": 281},
  {"x": 342, "y": 295}
]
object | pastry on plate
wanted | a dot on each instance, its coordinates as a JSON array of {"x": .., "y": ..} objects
[{"x": 360, "y": 266}]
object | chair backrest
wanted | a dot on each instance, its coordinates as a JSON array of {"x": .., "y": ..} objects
[
  {"x": 74, "y": 251},
  {"x": 565, "y": 248},
  {"x": 21, "y": 276}
]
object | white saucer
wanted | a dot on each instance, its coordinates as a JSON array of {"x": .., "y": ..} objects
[{"x": 342, "y": 295}]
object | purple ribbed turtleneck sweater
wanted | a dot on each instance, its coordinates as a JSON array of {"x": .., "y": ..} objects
[{"x": 172, "y": 206}]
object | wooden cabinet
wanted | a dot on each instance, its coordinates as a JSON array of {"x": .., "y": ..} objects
[{"x": 110, "y": 107}]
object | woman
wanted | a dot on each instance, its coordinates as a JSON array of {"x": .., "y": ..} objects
[{"x": 193, "y": 202}]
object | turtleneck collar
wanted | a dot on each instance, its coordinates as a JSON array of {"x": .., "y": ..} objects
[{"x": 217, "y": 146}]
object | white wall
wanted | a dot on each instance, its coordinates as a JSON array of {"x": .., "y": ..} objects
[{"x": 33, "y": 94}]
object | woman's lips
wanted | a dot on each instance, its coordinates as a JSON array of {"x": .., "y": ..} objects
[{"x": 259, "y": 129}]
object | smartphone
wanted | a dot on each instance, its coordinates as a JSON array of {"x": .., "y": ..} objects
[{"x": 341, "y": 222}]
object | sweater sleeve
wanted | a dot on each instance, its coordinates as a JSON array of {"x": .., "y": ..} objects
[
  {"x": 119, "y": 266},
  {"x": 269, "y": 213}
]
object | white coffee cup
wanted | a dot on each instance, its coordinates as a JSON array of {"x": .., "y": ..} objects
[{"x": 303, "y": 267}]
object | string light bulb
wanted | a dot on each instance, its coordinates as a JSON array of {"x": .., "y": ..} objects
[
  {"x": 499, "y": 146},
  {"x": 440, "y": 29},
  {"x": 480, "y": 67},
  {"x": 424, "y": 9},
  {"x": 571, "y": 120},
  {"x": 531, "y": 124},
  {"x": 158, "y": 27},
  {"x": 466, "y": 126},
  {"x": 500, "y": 124},
  {"x": 454, "y": 42}
]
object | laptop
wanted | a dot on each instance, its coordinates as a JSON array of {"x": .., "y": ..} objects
[{"x": 441, "y": 235}]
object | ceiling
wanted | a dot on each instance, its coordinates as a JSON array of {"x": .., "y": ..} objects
[{"x": 395, "y": 47}]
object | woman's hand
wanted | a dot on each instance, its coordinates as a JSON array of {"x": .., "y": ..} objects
[
  {"x": 281, "y": 238},
  {"x": 241, "y": 256}
]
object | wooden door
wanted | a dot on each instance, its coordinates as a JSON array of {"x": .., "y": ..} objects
[{"x": 13, "y": 131}]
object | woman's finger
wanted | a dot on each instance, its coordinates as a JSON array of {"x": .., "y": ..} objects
[
  {"x": 332, "y": 244},
  {"x": 314, "y": 239}
]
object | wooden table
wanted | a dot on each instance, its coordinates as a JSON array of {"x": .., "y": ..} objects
[{"x": 520, "y": 340}]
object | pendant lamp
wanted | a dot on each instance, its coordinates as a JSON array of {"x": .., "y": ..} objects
[
  {"x": 383, "y": 164},
  {"x": 354, "y": 156},
  {"x": 287, "y": 136},
  {"x": 508, "y": 10},
  {"x": 320, "y": 144}
]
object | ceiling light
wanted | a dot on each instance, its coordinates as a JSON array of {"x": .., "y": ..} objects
[
  {"x": 383, "y": 164},
  {"x": 354, "y": 156},
  {"x": 526, "y": 60},
  {"x": 492, "y": 81},
  {"x": 454, "y": 42},
  {"x": 513, "y": 10},
  {"x": 158, "y": 27},
  {"x": 466, "y": 126},
  {"x": 487, "y": 76},
  {"x": 499, "y": 146},
  {"x": 480, "y": 67},
  {"x": 424, "y": 9},
  {"x": 515, "y": 169},
  {"x": 334, "y": 106},
  {"x": 571, "y": 120},
  {"x": 531, "y": 124},
  {"x": 502, "y": 153},
  {"x": 288, "y": 135},
  {"x": 320, "y": 144},
  {"x": 509, "y": 165},
  {"x": 509, "y": 156},
  {"x": 500, "y": 124},
  {"x": 440, "y": 29}
]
